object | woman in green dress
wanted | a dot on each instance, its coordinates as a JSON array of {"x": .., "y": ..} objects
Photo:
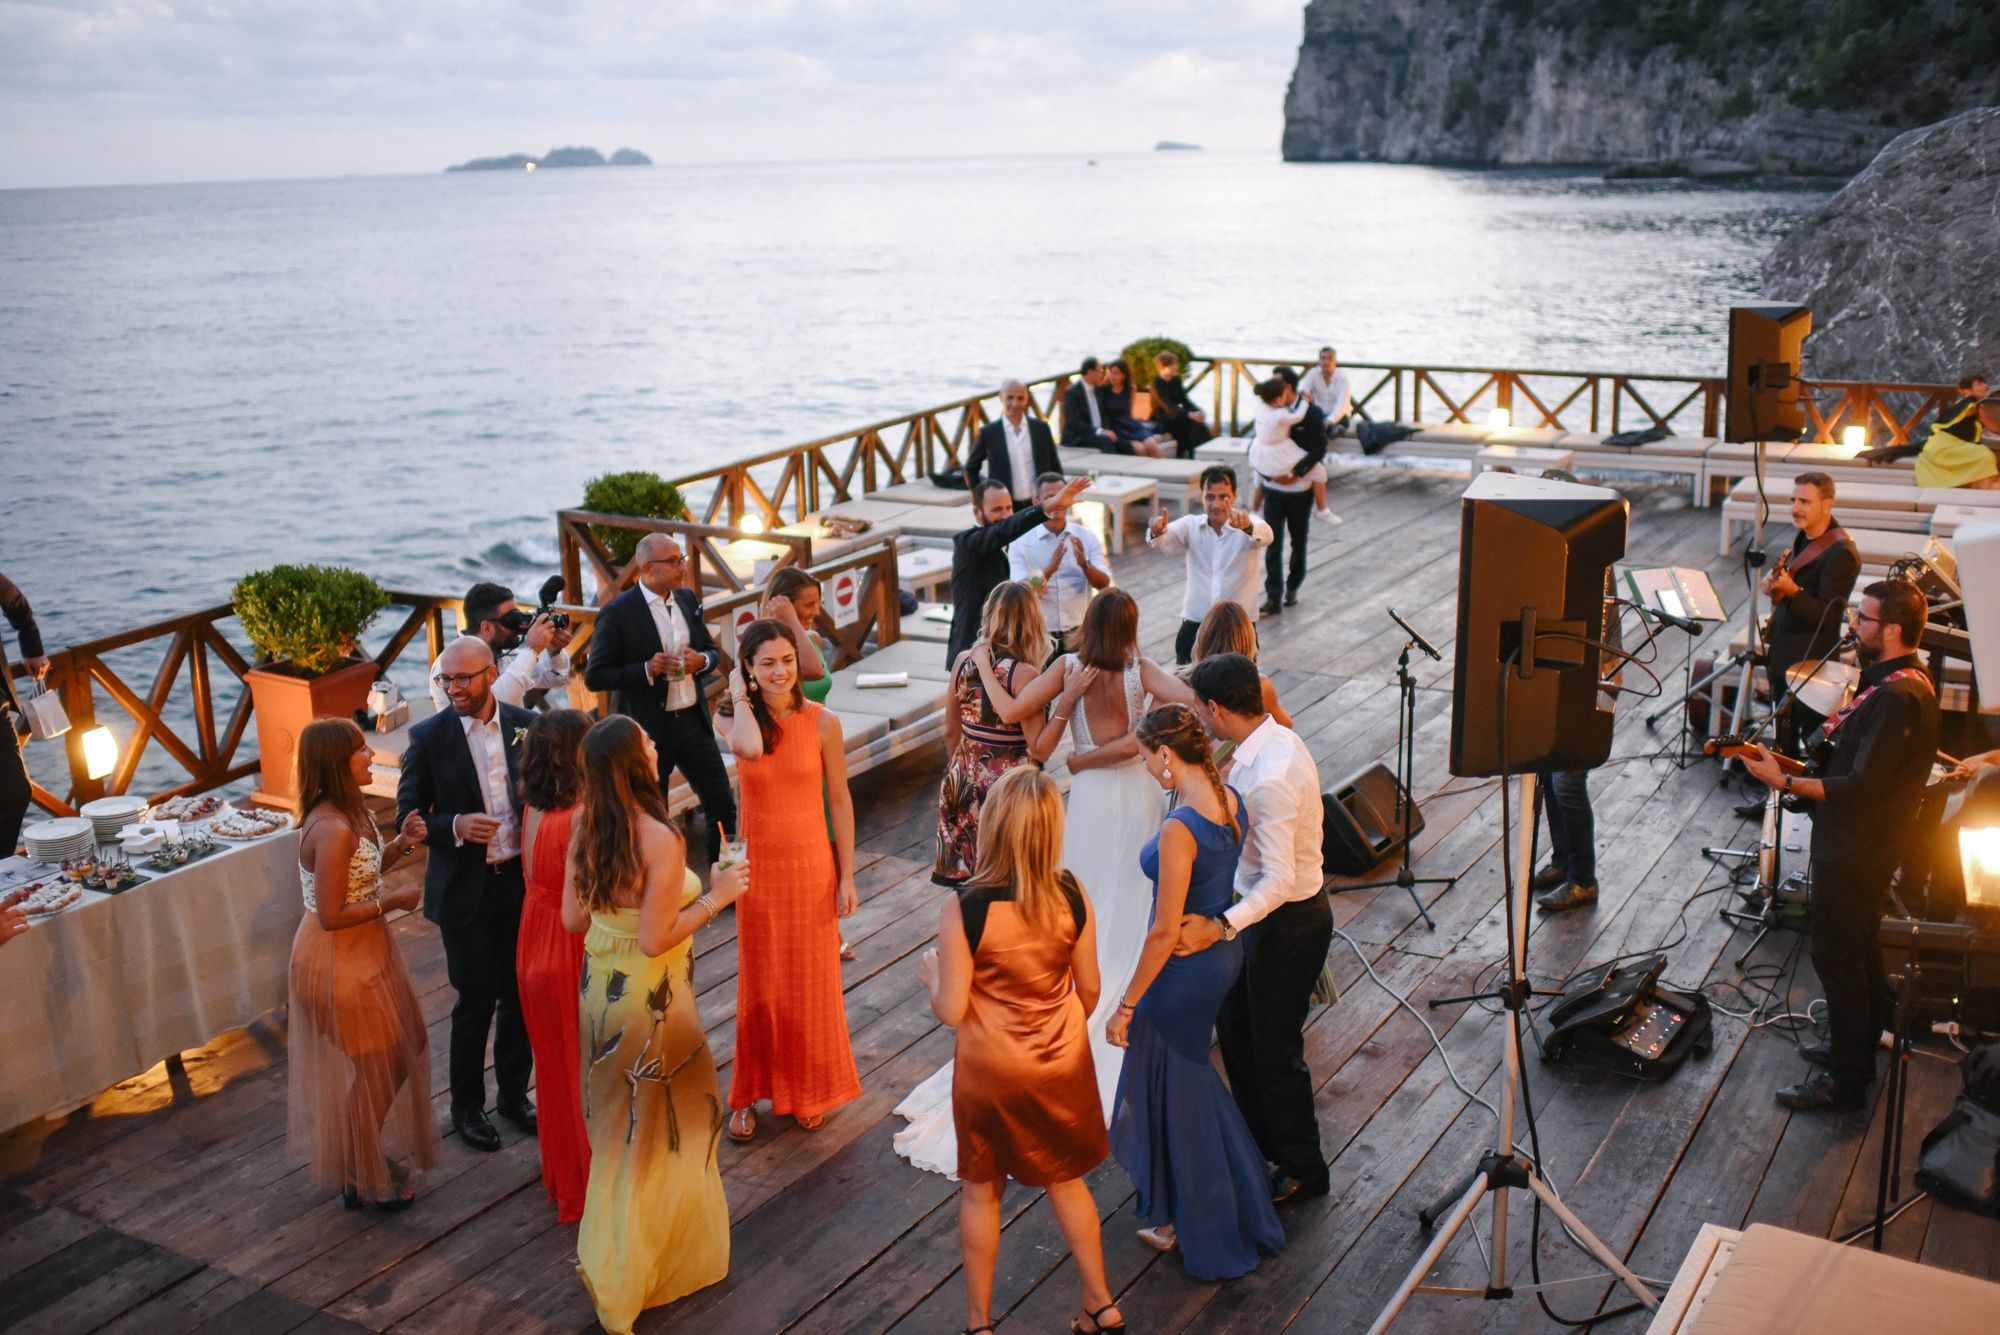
[
  {"x": 1953, "y": 456},
  {"x": 655, "y": 1222},
  {"x": 793, "y": 597}
]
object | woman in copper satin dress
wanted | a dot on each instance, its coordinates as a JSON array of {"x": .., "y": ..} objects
[
  {"x": 548, "y": 959},
  {"x": 792, "y": 1045},
  {"x": 1015, "y": 971}
]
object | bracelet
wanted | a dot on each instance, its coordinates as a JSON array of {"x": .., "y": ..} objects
[
  {"x": 707, "y": 903},
  {"x": 1123, "y": 1007}
]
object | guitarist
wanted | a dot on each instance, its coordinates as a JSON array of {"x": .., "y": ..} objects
[
  {"x": 1808, "y": 593},
  {"x": 1870, "y": 785}
]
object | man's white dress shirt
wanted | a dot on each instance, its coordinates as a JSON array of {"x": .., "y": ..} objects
[
  {"x": 1066, "y": 596},
  {"x": 1330, "y": 393},
  {"x": 520, "y": 672},
  {"x": 673, "y": 628},
  {"x": 1280, "y": 785},
  {"x": 1221, "y": 567},
  {"x": 489, "y": 761},
  {"x": 1021, "y": 456}
]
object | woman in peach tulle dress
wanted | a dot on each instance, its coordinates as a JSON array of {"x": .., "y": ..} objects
[{"x": 360, "y": 1082}]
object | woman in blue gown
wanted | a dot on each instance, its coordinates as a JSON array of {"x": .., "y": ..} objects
[{"x": 1202, "y": 1181}]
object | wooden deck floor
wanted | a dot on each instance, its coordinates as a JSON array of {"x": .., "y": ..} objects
[{"x": 163, "y": 1210}]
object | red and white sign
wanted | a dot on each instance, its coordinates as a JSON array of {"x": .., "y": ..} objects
[
  {"x": 846, "y": 598},
  {"x": 738, "y": 623}
]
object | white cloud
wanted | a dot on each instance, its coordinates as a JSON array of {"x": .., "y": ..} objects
[{"x": 125, "y": 90}]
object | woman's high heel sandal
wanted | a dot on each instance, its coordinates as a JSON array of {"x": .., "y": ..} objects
[{"x": 1096, "y": 1321}]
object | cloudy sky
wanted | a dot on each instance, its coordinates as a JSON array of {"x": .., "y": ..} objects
[{"x": 109, "y": 91}]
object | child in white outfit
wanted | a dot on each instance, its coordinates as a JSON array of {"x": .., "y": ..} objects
[{"x": 1275, "y": 456}]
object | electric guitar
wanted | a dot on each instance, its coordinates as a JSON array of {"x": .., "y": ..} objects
[{"x": 1733, "y": 747}]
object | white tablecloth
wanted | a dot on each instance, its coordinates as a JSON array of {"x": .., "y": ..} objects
[{"x": 100, "y": 992}]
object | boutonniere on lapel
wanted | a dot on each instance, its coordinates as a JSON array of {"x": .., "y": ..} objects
[{"x": 520, "y": 736}]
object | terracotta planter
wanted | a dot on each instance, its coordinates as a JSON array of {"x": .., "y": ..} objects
[{"x": 285, "y": 703}]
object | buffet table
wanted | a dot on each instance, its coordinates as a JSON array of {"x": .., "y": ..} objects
[{"x": 102, "y": 990}]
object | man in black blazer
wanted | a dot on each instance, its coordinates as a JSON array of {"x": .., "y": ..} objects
[
  {"x": 979, "y": 554},
  {"x": 1003, "y": 447},
  {"x": 1083, "y": 415},
  {"x": 460, "y": 771},
  {"x": 649, "y": 650}
]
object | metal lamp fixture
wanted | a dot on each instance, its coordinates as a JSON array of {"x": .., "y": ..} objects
[{"x": 100, "y": 752}]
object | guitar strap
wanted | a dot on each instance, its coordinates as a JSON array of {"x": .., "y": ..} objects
[
  {"x": 1846, "y": 711},
  {"x": 1813, "y": 550}
]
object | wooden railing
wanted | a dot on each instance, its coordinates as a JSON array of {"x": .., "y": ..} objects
[
  {"x": 708, "y": 565},
  {"x": 1834, "y": 405},
  {"x": 876, "y": 594}
]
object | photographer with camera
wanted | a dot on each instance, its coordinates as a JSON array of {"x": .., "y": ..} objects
[{"x": 532, "y": 648}]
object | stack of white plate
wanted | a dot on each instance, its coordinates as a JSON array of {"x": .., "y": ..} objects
[
  {"x": 108, "y": 815},
  {"x": 61, "y": 840}
]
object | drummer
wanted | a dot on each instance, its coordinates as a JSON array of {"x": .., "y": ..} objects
[{"x": 1808, "y": 596}]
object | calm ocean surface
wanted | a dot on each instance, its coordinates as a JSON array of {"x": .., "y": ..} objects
[{"x": 410, "y": 374}]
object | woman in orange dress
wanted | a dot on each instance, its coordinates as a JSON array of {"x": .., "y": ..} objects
[
  {"x": 360, "y": 1081},
  {"x": 1015, "y": 972},
  {"x": 791, "y": 1016},
  {"x": 548, "y": 959}
]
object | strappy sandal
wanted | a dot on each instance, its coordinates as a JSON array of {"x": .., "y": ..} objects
[
  {"x": 813, "y": 1123},
  {"x": 1096, "y": 1325},
  {"x": 976, "y": 1329},
  {"x": 847, "y": 953},
  {"x": 743, "y": 1124}
]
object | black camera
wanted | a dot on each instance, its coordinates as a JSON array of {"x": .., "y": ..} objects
[{"x": 519, "y": 620}]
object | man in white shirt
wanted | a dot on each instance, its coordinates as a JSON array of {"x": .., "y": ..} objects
[
  {"x": 532, "y": 652},
  {"x": 1328, "y": 387},
  {"x": 1068, "y": 560},
  {"x": 1221, "y": 545},
  {"x": 1282, "y": 917}
]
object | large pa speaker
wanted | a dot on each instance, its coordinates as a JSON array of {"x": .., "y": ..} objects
[
  {"x": 1361, "y": 821},
  {"x": 1765, "y": 347},
  {"x": 1532, "y": 558}
]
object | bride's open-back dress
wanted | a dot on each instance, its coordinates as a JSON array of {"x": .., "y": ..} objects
[{"x": 1113, "y": 811}]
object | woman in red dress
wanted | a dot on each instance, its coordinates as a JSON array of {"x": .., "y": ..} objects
[
  {"x": 791, "y": 1016},
  {"x": 548, "y": 960}
]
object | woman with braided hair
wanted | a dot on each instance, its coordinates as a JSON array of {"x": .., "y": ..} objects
[{"x": 1202, "y": 1180}]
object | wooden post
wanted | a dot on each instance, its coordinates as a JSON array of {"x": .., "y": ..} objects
[
  {"x": 1711, "y": 404},
  {"x": 572, "y": 563}
]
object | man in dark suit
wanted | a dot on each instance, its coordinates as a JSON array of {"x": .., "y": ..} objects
[
  {"x": 979, "y": 553},
  {"x": 460, "y": 772},
  {"x": 1083, "y": 415},
  {"x": 1015, "y": 450},
  {"x": 649, "y": 650}
]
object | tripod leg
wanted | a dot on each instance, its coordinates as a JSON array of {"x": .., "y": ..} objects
[
  {"x": 1452, "y": 1224},
  {"x": 1430, "y": 1214},
  {"x": 1604, "y": 1254}
]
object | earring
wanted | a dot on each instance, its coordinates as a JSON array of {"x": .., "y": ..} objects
[
  {"x": 1167, "y": 773},
  {"x": 753, "y": 683}
]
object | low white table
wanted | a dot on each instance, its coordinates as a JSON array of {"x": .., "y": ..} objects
[
  {"x": 1115, "y": 492},
  {"x": 923, "y": 571},
  {"x": 1532, "y": 458}
]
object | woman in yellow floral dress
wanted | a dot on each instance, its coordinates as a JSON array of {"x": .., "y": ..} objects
[{"x": 655, "y": 1222}]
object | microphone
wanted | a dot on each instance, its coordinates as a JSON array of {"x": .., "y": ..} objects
[{"x": 1687, "y": 624}]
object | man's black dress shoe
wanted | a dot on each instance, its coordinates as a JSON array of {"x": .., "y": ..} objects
[
  {"x": 1270, "y": 607},
  {"x": 521, "y": 1114},
  {"x": 475, "y": 1130},
  {"x": 1285, "y": 1187},
  {"x": 1751, "y": 811},
  {"x": 1548, "y": 878},
  {"x": 1819, "y": 1094},
  {"x": 1291, "y": 597},
  {"x": 1817, "y": 1051}
]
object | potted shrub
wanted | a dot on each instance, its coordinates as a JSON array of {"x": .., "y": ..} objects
[
  {"x": 306, "y": 623},
  {"x": 638, "y": 494}
]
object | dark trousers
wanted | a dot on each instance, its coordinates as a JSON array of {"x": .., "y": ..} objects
[
  {"x": 15, "y": 794},
  {"x": 1187, "y": 434},
  {"x": 1184, "y": 642},
  {"x": 1846, "y": 922},
  {"x": 1572, "y": 825},
  {"x": 686, "y": 742},
  {"x": 1285, "y": 510},
  {"x": 1262, "y": 1031},
  {"x": 479, "y": 960}
]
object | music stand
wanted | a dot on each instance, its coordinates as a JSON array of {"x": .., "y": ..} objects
[
  {"x": 1406, "y": 770},
  {"x": 1683, "y": 596}
]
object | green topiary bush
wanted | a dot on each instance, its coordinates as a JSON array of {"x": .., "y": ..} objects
[
  {"x": 310, "y": 615},
  {"x": 641, "y": 495},
  {"x": 1138, "y": 358}
]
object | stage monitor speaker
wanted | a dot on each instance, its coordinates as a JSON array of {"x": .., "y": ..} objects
[
  {"x": 1362, "y": 822},
  {"x": 1533, "y": 557},
  {"x": 1765, "y": 347}
]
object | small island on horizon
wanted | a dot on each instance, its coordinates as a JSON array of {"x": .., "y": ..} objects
[
  {"x": 555, "y": 157},
  {"x": 1175, "y": 145}
]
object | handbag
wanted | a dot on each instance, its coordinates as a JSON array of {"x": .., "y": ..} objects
[
  {"x": 44, "y": 712},
  {"x": 1960, "y": 1161}
]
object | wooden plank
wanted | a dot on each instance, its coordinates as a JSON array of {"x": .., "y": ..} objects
[{"x": 111, "y": 1294}]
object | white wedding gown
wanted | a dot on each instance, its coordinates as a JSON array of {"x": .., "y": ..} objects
[{"x": 1113, "y": 811}]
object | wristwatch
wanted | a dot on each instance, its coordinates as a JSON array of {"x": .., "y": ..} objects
[
  {"x": 1788, "y": 783},
  {"x": 1228, "y": 931}
]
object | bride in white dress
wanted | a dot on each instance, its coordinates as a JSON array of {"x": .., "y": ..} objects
[{"x": 1114, "y": 808}]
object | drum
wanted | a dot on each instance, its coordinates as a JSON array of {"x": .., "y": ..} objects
[{"x": 1823, "y": 691}]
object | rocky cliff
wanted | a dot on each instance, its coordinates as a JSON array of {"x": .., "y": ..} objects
[
  {"x": 1902, "y": 267},
  {"x": 1702, "y": 86}
]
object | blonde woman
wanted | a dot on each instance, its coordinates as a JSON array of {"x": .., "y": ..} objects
[{"x": 1015, "y": 972}]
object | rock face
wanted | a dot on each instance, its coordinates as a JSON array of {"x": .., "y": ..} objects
[
  {"x": 1902, "y": 267},
  {"x": 1687, "y": 87}
]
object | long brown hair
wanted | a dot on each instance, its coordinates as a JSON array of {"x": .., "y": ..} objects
[
  {"x": 1110, "y": 632},
  {"x": 552, "y": 759},
  {"x": 1011, "y": 623},
  {"x": 619, "y": 786},
  {"x": 322, "y": 774},
  {"x": 1227, "y": 629},
  {"x": 755, "y": 636},
  {"x": 1020, "y": 845},
  {"x": 1179, "y": 729}
]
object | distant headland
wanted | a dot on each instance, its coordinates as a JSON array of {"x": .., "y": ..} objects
[
  {"x": 556, "y": 157},
  {"x": 1175, "y": 146}
]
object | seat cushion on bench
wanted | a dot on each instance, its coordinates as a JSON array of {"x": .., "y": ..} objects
[
  {"x": 1881, "y": 547},
  {"x": 1852, "y": 496},
  {"x": 899, "y": 705},
  {"x": 1935, "y": 496},
  {"x": 919, "y": 658},
  {"x": 857, "y": 727},
  {"x": 935, "y": 521},
  {"x": 921, "y": 493},
  {"x": 875, "y": 512},
  {"x": 1777, "y": 1282},
  {"x": 1529, "y": 435},
  {"x": 1744, "y": 452},
  {"x": 1446, "y": 433}
]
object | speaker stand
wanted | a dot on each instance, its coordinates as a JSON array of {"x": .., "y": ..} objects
[
  {"x": 1501, "y": 1170},
  {"x": 1406, "y": 764}
]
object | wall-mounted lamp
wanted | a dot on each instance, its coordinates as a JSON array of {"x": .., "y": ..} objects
[
  {"x": 100, "y": 752},
  {"x": 1855, "y": 437},
  {"x": 1499, "y": 419}
]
